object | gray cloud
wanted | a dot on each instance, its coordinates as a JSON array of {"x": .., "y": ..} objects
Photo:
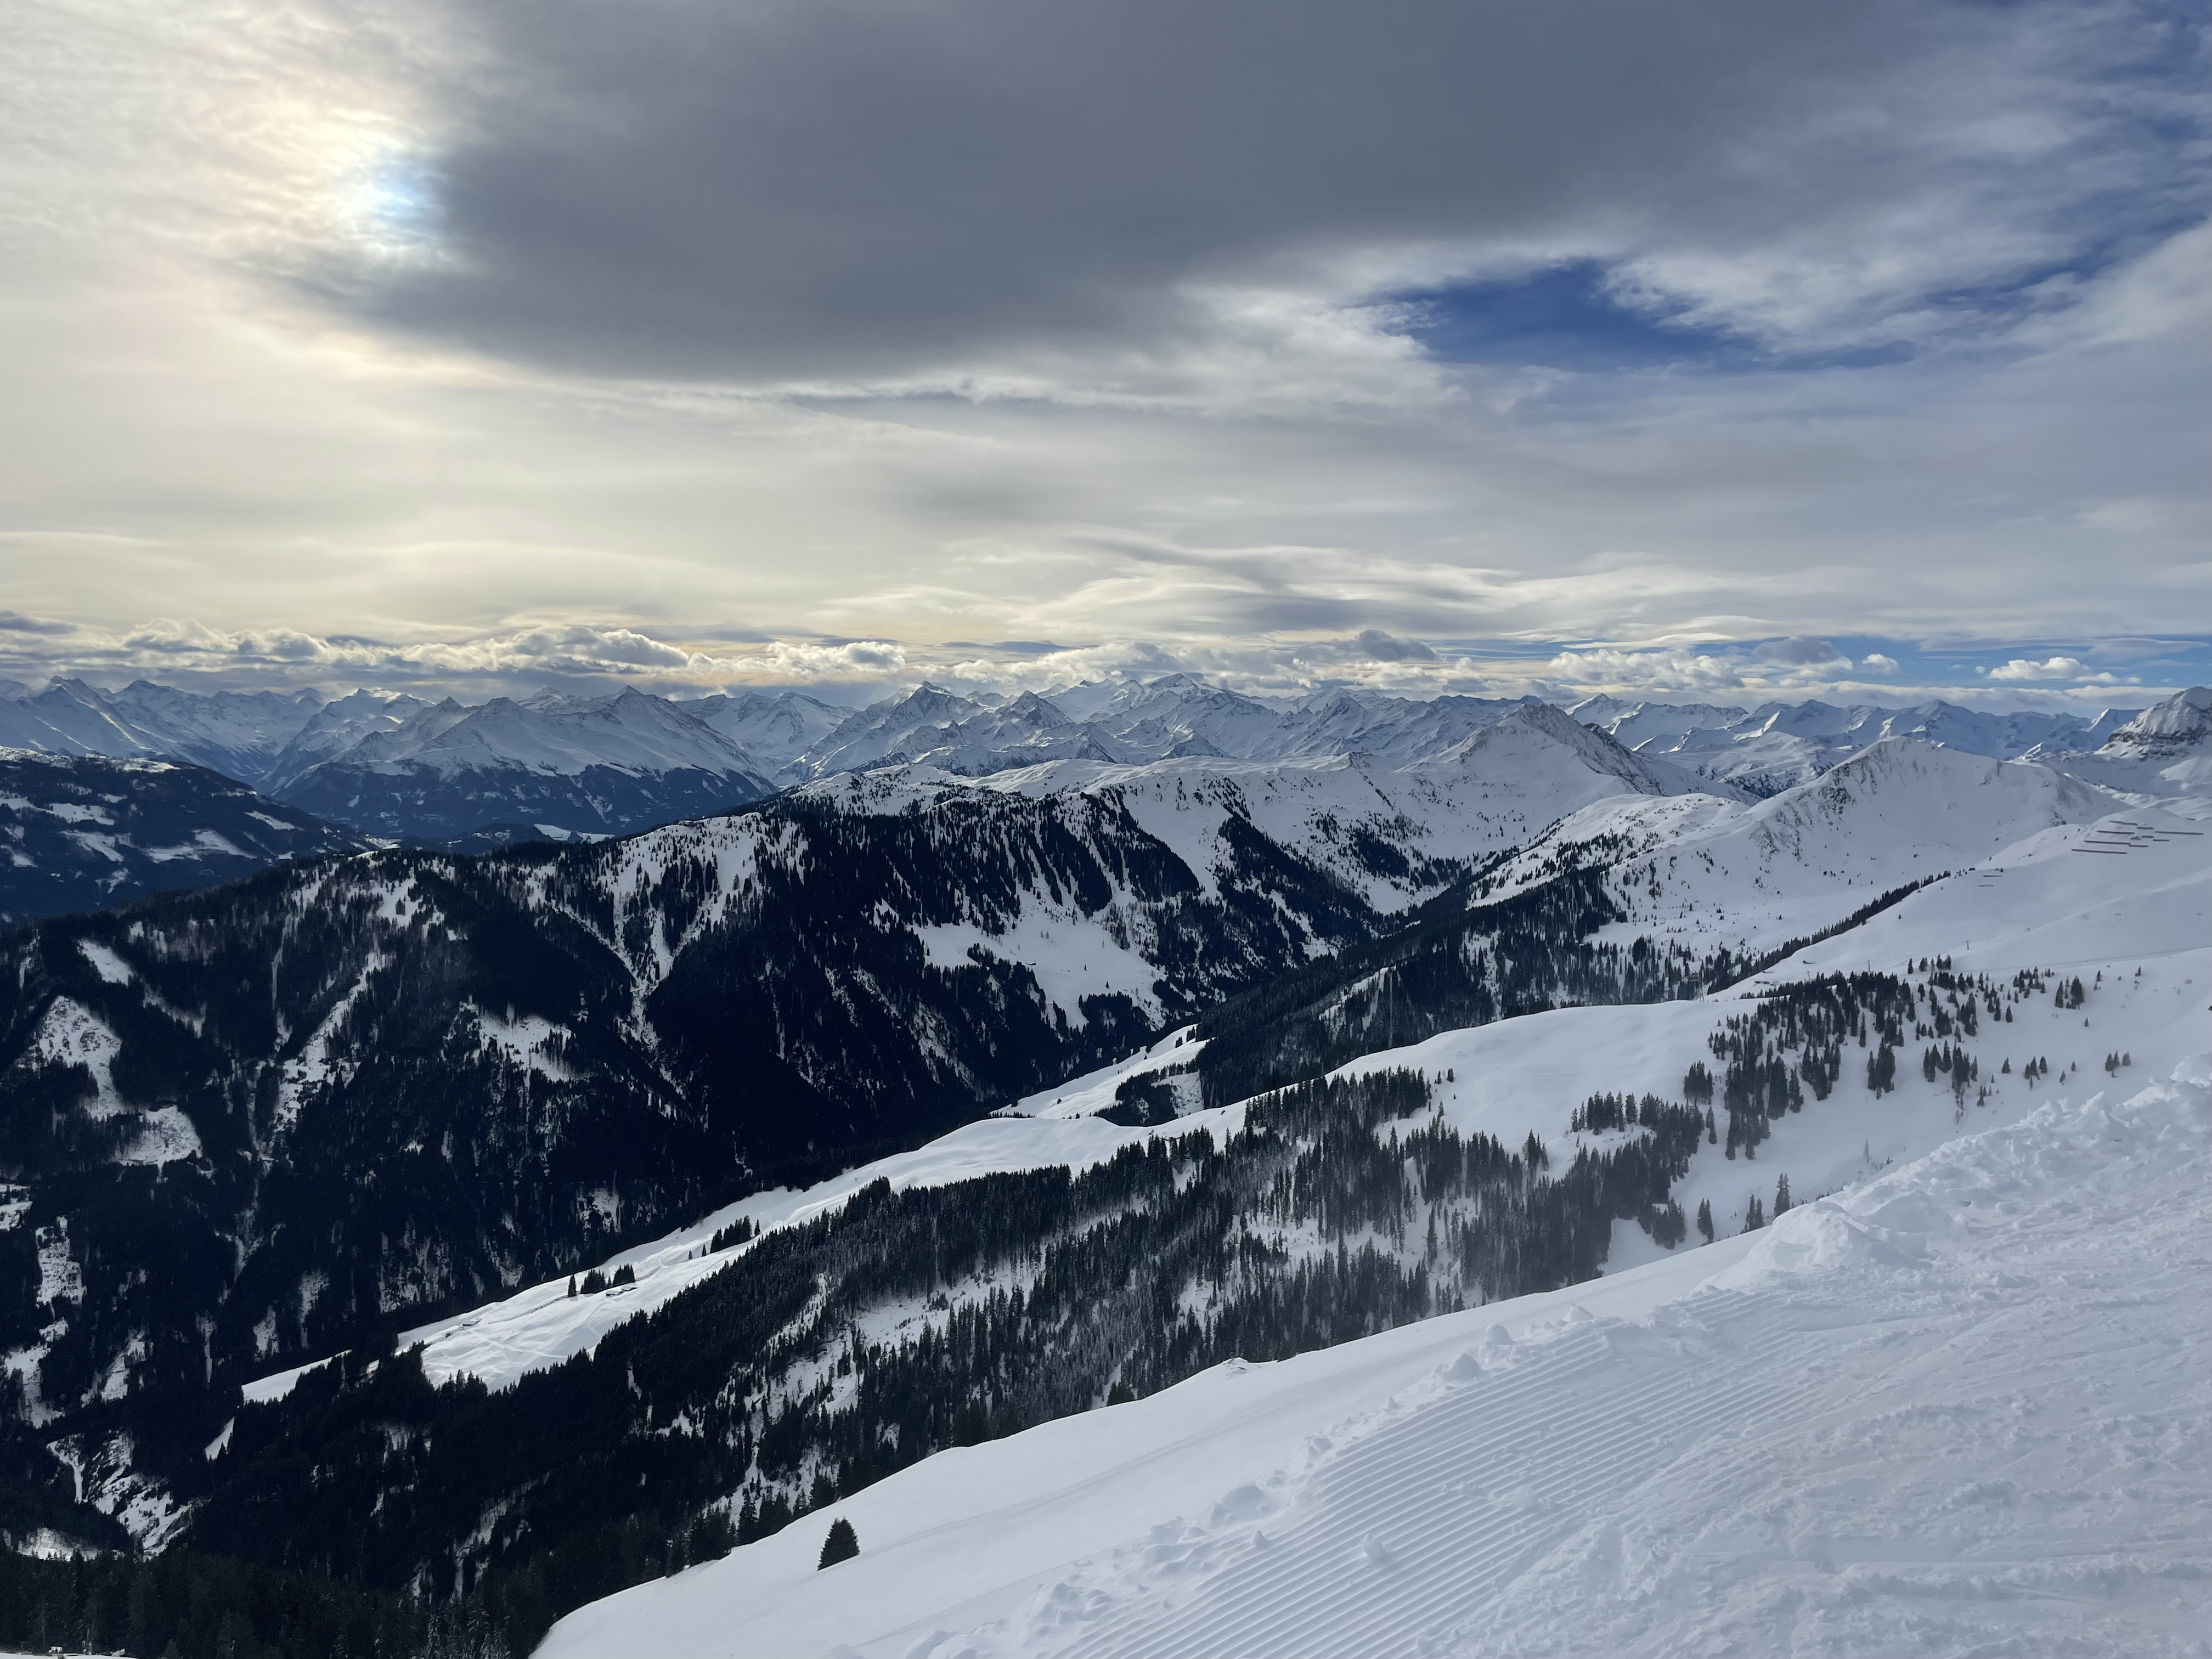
[
  {"x": 1800, "y": 652},
  {"x": 1379, "y": 646},
  {"x": 14, "y": 621},
  {"x": 1127, "y": 259},
  {"x": 829, "y": 188}
]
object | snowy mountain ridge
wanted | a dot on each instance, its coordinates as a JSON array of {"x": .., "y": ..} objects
[
  {"x": 1777, "y": 745},
  {"x": 1384, "y": 829},
  {"x": 1752, "y": 877},
  {"x": 466, "y": 762}
]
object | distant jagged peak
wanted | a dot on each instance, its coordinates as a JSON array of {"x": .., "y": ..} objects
[
  {"x": 2183, "y": 721},
  {"x": 1033, "y": 709},
  {"x": 1507, "y": 745},
  {"x": 929, "y": 698}
]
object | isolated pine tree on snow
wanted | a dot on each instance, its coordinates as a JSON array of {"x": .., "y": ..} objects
[
  {"x": 841, "y": 1544},
  {"x": 1705, "y": 1218},
  {"x": 1781, "y": 1196},
  {"x": 1754, "y": 1215}
]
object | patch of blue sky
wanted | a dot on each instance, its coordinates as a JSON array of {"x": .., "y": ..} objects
[
  {"x": 395, "y": 205},
  {"x": 1561, "y": 316}
]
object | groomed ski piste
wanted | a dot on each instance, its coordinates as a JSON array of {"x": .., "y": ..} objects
[{"x": 1962, "y": 1408}]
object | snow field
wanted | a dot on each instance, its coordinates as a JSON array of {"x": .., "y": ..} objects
[{"x": 1962, "y": 1409}]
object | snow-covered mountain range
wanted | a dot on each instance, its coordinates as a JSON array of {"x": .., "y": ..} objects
[
  {"x": 1776, "y": 746},
  {"x": 394, "y": 765},
  {"x": 608, "y": 1034},
  {"x": 598, "y": 765},
  {"x": 798, "y": 1149},
  {"x": 397, "y": 767}
]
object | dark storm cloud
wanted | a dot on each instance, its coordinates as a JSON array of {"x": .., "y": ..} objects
[{"x": 799, "y": 188}]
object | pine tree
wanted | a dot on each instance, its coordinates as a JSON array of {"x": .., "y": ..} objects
[
  {"x": 1705, "y": 1218},
  {"x": 1754, "y": 1215},
  {"x": 1881, "y": 1069},
  {"x": 841, "y": 1544},
  {"x": 1781, "y": 1196}
]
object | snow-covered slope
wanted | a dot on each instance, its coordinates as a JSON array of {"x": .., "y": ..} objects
[
  {"x": 1957, "y": 1409},
  {"x": 1708, "y": 872},
  {"x": 595, "y": 765}
]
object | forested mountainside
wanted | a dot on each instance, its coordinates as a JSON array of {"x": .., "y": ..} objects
[
  {"x": 861, "y": 1337},
  {"x": 258, "y": 1121},
  {"x": 79, "y": 832},
  {"x": 290, "y": 1106}
]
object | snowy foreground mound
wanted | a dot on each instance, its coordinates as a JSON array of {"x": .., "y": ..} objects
[{"x": 1963, "y": 1408}]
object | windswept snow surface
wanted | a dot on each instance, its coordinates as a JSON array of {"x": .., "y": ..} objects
[{"x": 1961, "y": 1409}]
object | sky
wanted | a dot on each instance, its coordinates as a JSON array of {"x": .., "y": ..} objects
[{"x": 1712, "y": 348}]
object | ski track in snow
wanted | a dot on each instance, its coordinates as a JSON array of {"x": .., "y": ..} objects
[{"x": 1963, "y": 1409}]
